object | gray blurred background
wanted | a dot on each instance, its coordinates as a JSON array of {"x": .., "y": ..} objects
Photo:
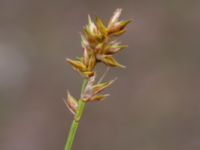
[{"x": 155, "y": 103}]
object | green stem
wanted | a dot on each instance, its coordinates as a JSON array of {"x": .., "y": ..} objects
[{"x": 74, "y": 126}]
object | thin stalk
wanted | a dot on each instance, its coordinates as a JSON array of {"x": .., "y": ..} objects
[{"x": 74, "y": 126}]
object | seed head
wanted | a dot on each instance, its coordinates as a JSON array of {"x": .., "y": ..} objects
[{"x": 99, "y": 46}]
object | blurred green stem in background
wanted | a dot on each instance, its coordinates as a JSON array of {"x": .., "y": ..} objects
[{"x": 74, "y": 126}]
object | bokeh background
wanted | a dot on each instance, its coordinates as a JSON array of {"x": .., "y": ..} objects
[{"x": 155, "y": 103}]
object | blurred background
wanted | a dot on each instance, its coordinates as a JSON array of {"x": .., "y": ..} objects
[{"x": 154, "y": 104}]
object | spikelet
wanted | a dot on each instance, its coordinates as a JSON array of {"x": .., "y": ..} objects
[
  {"x": 71, "y": 103},
  {"x": 92, "y": 90}
]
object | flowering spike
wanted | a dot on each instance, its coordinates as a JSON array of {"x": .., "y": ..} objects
[{"x": 99, "y": 47}]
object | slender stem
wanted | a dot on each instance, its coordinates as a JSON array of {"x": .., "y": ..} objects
[{"x": 74, "y": 126}]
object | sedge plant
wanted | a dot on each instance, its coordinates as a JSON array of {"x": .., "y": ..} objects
[{"x": 99, "y": 44}]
